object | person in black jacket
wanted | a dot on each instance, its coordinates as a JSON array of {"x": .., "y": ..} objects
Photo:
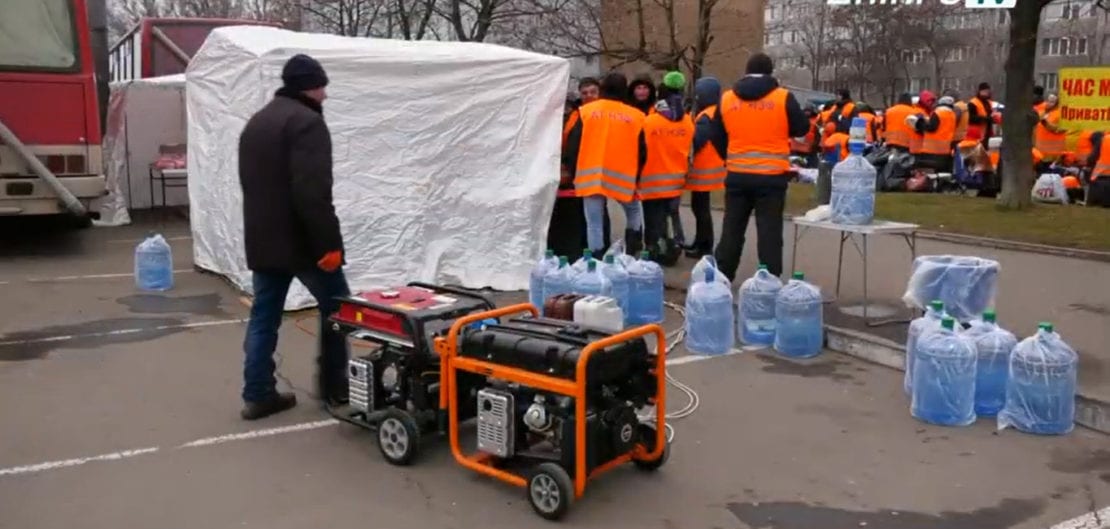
[{"x": 291, "y": 231}]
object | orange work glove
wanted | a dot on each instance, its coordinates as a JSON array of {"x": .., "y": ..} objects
[{"x": 331, "y": 261}]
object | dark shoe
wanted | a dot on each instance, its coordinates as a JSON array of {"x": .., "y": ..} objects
[
  {"x": 633, "y": 242},
  {"x": 277, "y": 403},
  {"x": 693, "y": 252}
]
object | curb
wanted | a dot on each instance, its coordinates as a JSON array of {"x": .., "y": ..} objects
[{"x": 1089, "y": 412}]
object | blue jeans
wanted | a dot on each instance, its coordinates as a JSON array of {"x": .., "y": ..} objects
[
  {"x": 594, "y": 207},
  {"x": 270, "y": 289}
]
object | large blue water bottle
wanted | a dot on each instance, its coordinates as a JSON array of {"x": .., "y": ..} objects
[
  {"x": 993, "y": 345},
  {"x": 919, "y": 326},
  {"x": 535, "y": 278},
  {"x": 645, "y": 291},
  {"x": 799, "y": 319},
  {"x": 1040, "y": 393},
  {"x": 580, "y": 265},
  {"x": 853, "y": 182},
  {"x": 755, "y": 315},
  {"x": 709, "y": 321},
  {"x": 154, "y": 264},
  {"x": 618, "y": 278},
  {"x": 944, "y": 377},
  {"x": 592, "y": 282},
  {"x": 557, "y": 280}
]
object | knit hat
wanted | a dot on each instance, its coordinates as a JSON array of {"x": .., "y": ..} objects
[
  {"x": 984, "y": 86},
  {"x": 760, "y": 64},
  {"x": 302, "y": 73},
  {"x": 674, "y": 80}
]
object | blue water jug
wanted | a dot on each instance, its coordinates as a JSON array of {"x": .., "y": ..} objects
[
  {"x": 799, "y": 319},
  {"x": 853, "y": 188},
  {"x": 557, "y": 280},
  {"x": 592, "y": 282},
  {"x": 580, "y": 264},
  {"x": 535, "y": 278},
  {"x": 919, "y": 326},
  {"x": 709, "y": 321},
  {"x": 1040, "y": 393},
  {"x": 645, "y": 291},
  {"x": 755, "y": 315},
  {"x": 944, "y": 377},
  {"x": 618, "y": 279},
  {"x": 154, "y": 264},
  {"x": 993, "y": 345}
]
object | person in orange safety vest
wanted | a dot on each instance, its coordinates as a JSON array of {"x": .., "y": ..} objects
[
  {"x": 566, "y": 233},
  {"x": 753, "y": 127},
  {"x": 834, "y": 144},
  {"x": 1098, "y": 192},
  {"x": 981, "y": 114},
  {"x": 606, "y": 150},
  {"x": 707, "y": 171},
  {"x": 896, "y": 132},
  {"x": 938, "y": 133},
  {"x": 669, "y": 137},
  {"x": 1048, "y": 137}
]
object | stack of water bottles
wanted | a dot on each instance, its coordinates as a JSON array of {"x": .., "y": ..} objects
[
  {"x": 636, "y": 287},
  {"x": 853, "y": 181},
  {"x": 956, "y": 375},
  {"x": 788, "y": 317}
]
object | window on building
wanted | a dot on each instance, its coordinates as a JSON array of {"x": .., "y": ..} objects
[
  {"x": 913, "y": 56},
  {"x": 766, "y": 38},
  {"x": 918, "y": 84},
  {"x": 960, "y": 54},
  {"x": 1064, "y": 46},
  {"x": 1048, "y": 80},
  {"x": 950, "y": 83},
  {"x": 1072, "y": 10}
]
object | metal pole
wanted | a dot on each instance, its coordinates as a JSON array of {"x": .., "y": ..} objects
[
  {"x": 64, "y": 196},
  {"x": 174, "y": 49}
]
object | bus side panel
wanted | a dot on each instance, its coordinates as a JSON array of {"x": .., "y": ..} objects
[{"x": 63, "y": 123}]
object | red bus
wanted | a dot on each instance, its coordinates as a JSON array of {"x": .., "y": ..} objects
[
  {"x": 50, "y": 124},
  {"x": 163, "y": 46}
]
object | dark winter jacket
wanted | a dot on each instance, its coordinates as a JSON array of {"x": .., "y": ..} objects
[
  {"x": 644, "y": 106},
  {"x": 285, "y": 170},
  {"x": 707, "y": 92},
  {"x": 754, "y": 88}
]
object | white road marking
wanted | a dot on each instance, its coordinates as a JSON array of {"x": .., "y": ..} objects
[
  {"x": 1099, "y": 519},
  {"x": 691, "y": 358},
  {"x": 53, "y": 465},
  {"x": 136, "y": 241},
  {"x": 95, "y": 276},
  {"x": 117, "y": 332},
  {"x": 255, "y": 434}
]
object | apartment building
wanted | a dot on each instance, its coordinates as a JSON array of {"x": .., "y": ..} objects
[{"x": 966, "y": 48}]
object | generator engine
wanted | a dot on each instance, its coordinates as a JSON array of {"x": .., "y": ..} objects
[{"x": 517, "y": 421}]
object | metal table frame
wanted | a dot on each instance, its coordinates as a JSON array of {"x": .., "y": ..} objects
[{"x": 908, "y": 232}]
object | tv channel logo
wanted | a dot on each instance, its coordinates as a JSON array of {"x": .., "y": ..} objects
[{"x": 970, "y": 4}]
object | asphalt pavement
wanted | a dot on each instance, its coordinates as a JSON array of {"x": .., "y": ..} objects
[{"x": 120, "y": 409}]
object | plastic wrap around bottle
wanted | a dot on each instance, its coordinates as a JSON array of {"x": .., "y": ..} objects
[
  {"x": 993, "y": 346},
  {"x": 853, "y": 189},
  {"x": 618, "y": 278},
  {"x": 755, "y": 313},
  {"x": 580, "y": 265},
  {"x": 1040, "y": 391},
  {"x": 535, "y": 277},
  {"x": 967, "y": 285},
  {"x": 944, "y": 378},
  {"x": 799, "y": 319},
  {"x": 645, "y": 291},
  {"x": 592, "y": 281},
  {"x": 929, "y": 322},
  {"x": 709, "y": 321},
  {"x": 617, "y": 251},
  {"x": 154, "y": 264},
  {"x": 557, "y": 281}
]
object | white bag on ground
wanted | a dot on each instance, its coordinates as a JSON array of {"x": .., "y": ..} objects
[{"x": 1049, "y": 189}]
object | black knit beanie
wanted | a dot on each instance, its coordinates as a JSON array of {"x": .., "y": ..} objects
[{"x": 302, "y": 73}]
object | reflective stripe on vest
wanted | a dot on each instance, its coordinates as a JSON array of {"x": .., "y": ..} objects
[
  {"x": 707, "y": 173},
  {"x": 668, "y": 156},
  {"x": 608, "y": 159},
  {"x": 940, "y": 141},
  {"x": 758, "y": 133}
]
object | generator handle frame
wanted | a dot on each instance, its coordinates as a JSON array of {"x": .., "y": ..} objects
[{"x": 451, "y": 363}]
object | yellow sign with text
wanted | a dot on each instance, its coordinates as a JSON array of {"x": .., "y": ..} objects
[{"x": 1084, "y": 101}]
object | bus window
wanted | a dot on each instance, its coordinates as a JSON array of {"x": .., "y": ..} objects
[{"x": 37, "y": 35}]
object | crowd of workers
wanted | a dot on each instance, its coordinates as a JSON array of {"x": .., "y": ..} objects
[{"x": 636, "y": 144}]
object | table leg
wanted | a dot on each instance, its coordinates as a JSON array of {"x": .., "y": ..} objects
[
  {"x": 865, "y": 299},
  {"x": 151, "y": 184},
  {"x": 840, "y": 260},
  {"x": 794, "y": 251}
]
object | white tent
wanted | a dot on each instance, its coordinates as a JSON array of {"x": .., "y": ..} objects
[
  {"x": 143, "y": 114},
  {"x": 446, "y": 155}
]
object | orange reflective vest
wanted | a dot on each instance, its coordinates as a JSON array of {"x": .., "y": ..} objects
[
  {"x": 758, "y": 133},
  {"x": 1052, "y": 144},
  {"x": 897, "y": 131},
  {"x": 1084, "y": 148},
  {"x": 962, "y": 117},
  {"x": 982, "y": 111},
  {"x": 1102, "y": 165},
  {"x": 870, "y": 119},
  {"x": 940, "y": 141},
  {"x": 668, "y": 156},
  {"x": 837, "y": 140},
  {"x": 572, "y": 120},
  {"x": 805, "y": 146},
  {"x": 608, "y": 160},
  {"x": 1038, "y": 156},
  {"x": 824, "y": 116},
  {"x": 708, "y": 171},
  {"x": 1039, "y": 108}
]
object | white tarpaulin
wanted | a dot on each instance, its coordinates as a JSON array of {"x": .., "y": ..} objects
[
  {"x": 143, "y": 115},
  {"x": 446, "y": 155}
]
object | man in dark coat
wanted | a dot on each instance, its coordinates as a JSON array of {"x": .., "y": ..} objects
[{"x": 291, "y": 231}]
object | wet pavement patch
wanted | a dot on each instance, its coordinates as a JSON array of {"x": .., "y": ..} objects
[
  {"x": 822, "y": 367},
  {"x": 1079, "y": 462},
  {"x": 1097, "y": 308},
  {"x": 1105, "y": 477},
  {"x": 35, "y": 344},
  {"x": 796, "y": 515},
  {"x": 200, "y": 304}
]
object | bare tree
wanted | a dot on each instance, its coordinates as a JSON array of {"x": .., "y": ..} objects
[{"x": 814, "y": 32}]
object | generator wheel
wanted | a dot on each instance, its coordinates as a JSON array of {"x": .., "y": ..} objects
[
  {"x": 647, "y": 436},
  {"x": 398, "y": 437},
  {"x": 550, "y": 491}
]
